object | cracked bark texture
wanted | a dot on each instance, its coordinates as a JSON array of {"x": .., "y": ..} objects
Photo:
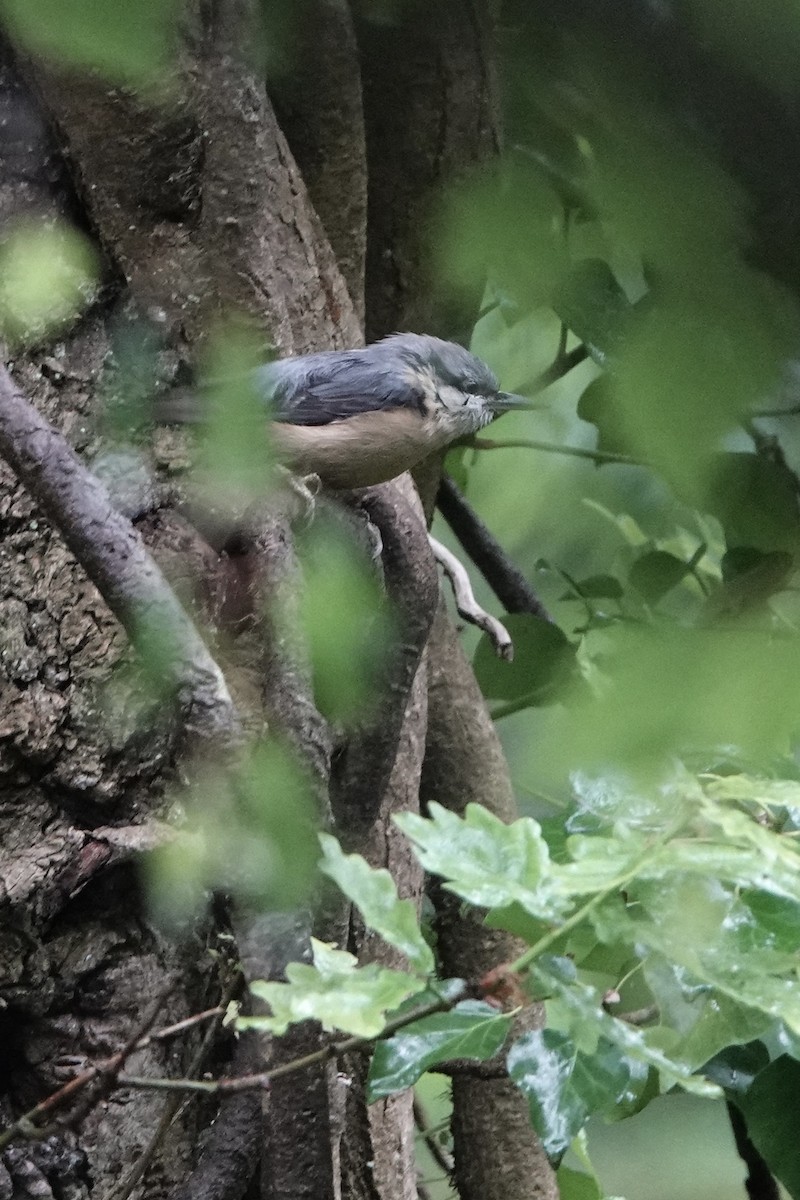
[{"x": 199, "y": 210}]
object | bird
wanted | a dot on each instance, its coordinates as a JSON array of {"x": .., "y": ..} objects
[{"x": 360, "y": 417}]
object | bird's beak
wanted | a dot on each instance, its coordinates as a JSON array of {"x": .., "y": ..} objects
[{"x": 507, "y": 401}]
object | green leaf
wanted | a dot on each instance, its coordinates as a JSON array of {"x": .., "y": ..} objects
[
  {"x": 128, "y": 42},
  {"x": 676, "y": 691},
  {"x": 593, "y": 305},
  {"x": 656, "y": 573},
  {"x": 48, "y": 276},
  {"x": 250, "y": 833},
  {"x": 374, "y": 892},
  {"x": 770, "y": 1108},
  {"x": 544, "y": 660},
  {"x": 779, "y": 793},
  {"x": 755, "y": 499},
  {"x": 708, "y": 929},
  {"x": 577, "y": 1185},
  {"x": 564, "y": 1086},
  {"x": 735, "y": 1067},
  {"x": 472, "y": 1030},
  {"x": 596, "y": 587},
  {"x": 505, "y": 221},
  {"x": 597, "y": 406},
  {"x": 704, "y": 1020},
  {"x": 581, "y": 1015},
  {"x": 335, "y": 991},
  {"x": 347, "y": 623},
  {"x": 484, "y": 860}
]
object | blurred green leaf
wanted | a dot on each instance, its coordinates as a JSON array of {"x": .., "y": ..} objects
[
  {"x": 250, "y": 832},
  {"x": 483, "y": 860},
  {"x": 669, "y": 691},
  {"x": 770, "y": 1108},
  {"x": 595, "y": 587},
  {"x": 506, "y": 224},
  {"x": 656, "y": 573},
  {"x": 374, "y": 893},
  {"x": 755, "y": 499},
  {"x": 346, "y": 619},
  {"x": 235, "y": 466},
  {"x": 562, "y": 1085},
  {"x": 598, "y": 406},
  {"x": 544, "y": 659},
  {"x": 576, "y": 1185},
  {"x": 129, "y": 43},
  {"x": 335, "y": 991},
  {"x": 591, "y": 303},
  {"x": 769, "y": 792},
  {"x": 48, "y": 277},
  {"x": 764, "y": 44},
  {"x": 472, "y": 1030}
]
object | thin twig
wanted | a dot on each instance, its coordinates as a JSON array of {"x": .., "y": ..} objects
[
  {"x": 106, "y": 1073},
  {"x": 162, "y": 1035},
  {"x": 467, "y": 605},
  {"x": 563, "y": 364},
  {"x": 109, "y": 1072},
  {"x": 597, "y": 456},
  {"x": 173, "y": 1103},
  {"x": 503, "y": 576},
  {"x": 262, "y": 1079}
]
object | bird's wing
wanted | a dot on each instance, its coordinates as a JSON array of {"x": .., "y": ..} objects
[{"x": 322, "y": 388}]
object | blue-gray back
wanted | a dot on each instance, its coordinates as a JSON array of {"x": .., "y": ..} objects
[{"x": 398, "y": 372}]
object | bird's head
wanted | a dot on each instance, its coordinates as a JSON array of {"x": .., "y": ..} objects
[{"x": 459, "y": 389}]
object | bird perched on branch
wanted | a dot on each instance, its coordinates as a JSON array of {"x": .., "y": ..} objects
[{"x": 360, "y": 417}]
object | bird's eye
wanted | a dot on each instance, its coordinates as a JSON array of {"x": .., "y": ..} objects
[{"x": 451, "y": 397}]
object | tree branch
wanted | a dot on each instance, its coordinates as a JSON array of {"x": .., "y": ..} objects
[
  {"x": 504, "y": 578},
  {"x": 116, "y": 560},
  {"x": 361, "y": 773},
  {"x": 467, "y": 605}
]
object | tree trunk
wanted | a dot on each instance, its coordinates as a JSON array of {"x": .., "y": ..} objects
[{"x": 199, "y": 211}]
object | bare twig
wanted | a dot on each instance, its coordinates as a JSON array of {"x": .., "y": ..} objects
[
  {"x": 597, "y": 456},
  {"x": 467, "y": 605},
  {"x": 110, "y": 1073},
  {"x": 172, "y": 1105},
  {"x": 261, "y": 1080},
  {"x": 504, "y": 578},
  {"x": 562, "y": 365},
  {"x": 116, "y": 560},
  {"x": 105, "y": 1073}
]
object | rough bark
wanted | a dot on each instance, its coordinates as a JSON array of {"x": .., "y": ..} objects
[
  {"x": 198, "y": 198},
  {"x": 383, "y": 1133},
  {"x": 199, "y": 211},
  {"x": 160, "y": 202},
  {"x": 317, "y": 95},
  {"x": 431, "y": 114}
]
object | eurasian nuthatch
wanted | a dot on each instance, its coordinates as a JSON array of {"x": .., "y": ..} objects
[{"x": 361, "y": 417}]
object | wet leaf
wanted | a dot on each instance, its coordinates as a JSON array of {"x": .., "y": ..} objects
[
  {"x": 374, "y": 893},
  {"x": 473, "y": 1030}
]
